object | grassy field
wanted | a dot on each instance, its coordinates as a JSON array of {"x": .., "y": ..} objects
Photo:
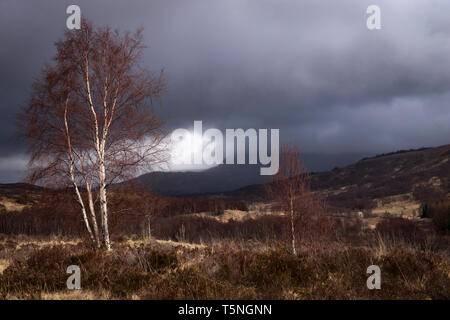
[
  {"x": 230, "y": 254},
  {"x": 32, "y": 268}
]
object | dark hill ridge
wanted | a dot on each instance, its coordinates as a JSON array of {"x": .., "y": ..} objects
[
  {"x": 400, "y": 170},
  {"x": 215, "y": 180},
  {"x": 424, "y": 172},
  {"x": 224, "y": 178}
]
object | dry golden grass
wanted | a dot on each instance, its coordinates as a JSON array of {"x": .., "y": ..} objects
[
  {"x": 236, "y": 215},
  {"x": 403, "y": 206},
  {"x": 135, "y": 243},
  {"x": 76, "y": 295},
  {"x": 11, "y": 205},
  {"x": 72, "y": 295},
  {"x": 4, "y": 263}
]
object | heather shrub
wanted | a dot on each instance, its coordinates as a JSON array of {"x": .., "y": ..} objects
[
  {"x": 157, "y": 261},
  {"x": 44, "y": 270},
  {"x": 121, "y": 273},
  {"x": 414, "y": 275},
  {"x": 191, "y": 284},
  {"x": 441, "y": 217},
  {"x": 349, "y": 231},
  {"x": 439, "y": 212},
  {"x": 400, "y": 229},
  {"x": 206, "y": 229}
]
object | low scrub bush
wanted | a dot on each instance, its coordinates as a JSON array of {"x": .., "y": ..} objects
[
  {"x": 439, "y": 212},
  {"x": 400, "y": 229}
]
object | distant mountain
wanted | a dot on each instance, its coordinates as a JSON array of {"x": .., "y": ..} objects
[
  {"x": 214, "y": 180},
  {"x": 224, "y": 178}
]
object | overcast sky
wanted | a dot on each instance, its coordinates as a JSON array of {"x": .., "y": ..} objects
[{"x": 308, "y": 67}]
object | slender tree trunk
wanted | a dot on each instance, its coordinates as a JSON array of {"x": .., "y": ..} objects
[
  {"x": 104, "y": 214},
  {"x": 149, "y": 227},
  {"x": 291, "y": 205},
  {"x": 83, "y": 211},
  {"x": 72, "y": 177},
  {"x": 93, "y": 217},
  {"x": 103, "y": 197},
  {"x": 100, "y": 148}
]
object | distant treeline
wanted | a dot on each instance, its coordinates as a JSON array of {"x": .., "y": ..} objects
[
  {"x": 59, "y": 213},
  {"x": 394, "y": 152}
]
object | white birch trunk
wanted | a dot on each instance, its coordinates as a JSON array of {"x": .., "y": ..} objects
[
  {"x": 294, "y": 251},
  {"x": 83, "y": 209},
  {"x": 103, "y": 197},
  {"x": 72, "y": 177},
  {"x": 93, "y": 217}
]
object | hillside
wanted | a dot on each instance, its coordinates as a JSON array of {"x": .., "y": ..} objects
[
  {"x": 17, "y": 196},
  {"x": 425, "y": 173},
  {"x": 417, "y": 175}
]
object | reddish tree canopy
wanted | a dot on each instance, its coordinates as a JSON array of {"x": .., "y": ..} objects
[{"x": 89, "y": 121}]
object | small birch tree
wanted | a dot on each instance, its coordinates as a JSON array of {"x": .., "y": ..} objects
[{"x": 290, "y": 189}]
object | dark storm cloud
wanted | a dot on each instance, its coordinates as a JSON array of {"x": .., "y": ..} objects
[{"x": 310, "y": 68}]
